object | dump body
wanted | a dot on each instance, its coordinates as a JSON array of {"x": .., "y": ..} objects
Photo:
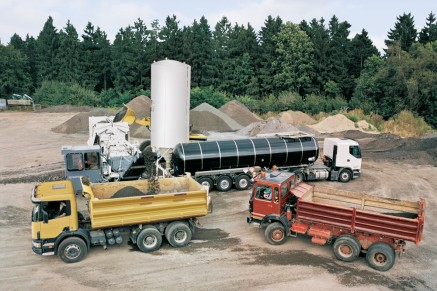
[
  {"x": 352, "y": 212},
  {"x": 177, "y": 199}
]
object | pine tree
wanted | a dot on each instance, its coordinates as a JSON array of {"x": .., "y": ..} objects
[
  {"x": 67, "y": 57},
  {"x": 47, "y": 46},
  {"x": 429, "y": 32},
  {"x": 268, "y": 55},
  {"x": 404, "y": 32},
  {"x": 319, "y": 36}
]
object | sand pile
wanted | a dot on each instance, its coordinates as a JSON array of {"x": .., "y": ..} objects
[
  {"x": 141, "y": 105},
  {"x": 204, "y": 120},
  {"x": 296, "y": 118},
  {"x": 79, "y": 122},
  {"x": 266, "y": 127},
  {"x": 240, "y": 113},
  {"x": 334, "y": 123},
  {"x": 222, "y": 122},
  {"x": 365, "y": 126}
]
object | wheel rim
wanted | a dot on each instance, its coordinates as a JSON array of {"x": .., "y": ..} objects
[
  {"x": 345, "y": 176},
  {"x": 277, "y": 235},
  {"x": 206, "y": 183},
  {"x": 72, "y": 251},
  {"x": 243, "y": 183},
  {"x": 345, "y": 250},
  {"x": 150, "y": 241},
  {"x": 180, "y": 236},
  {"x": 380, "y": 259},
  {"x": 224, "y": 184}
]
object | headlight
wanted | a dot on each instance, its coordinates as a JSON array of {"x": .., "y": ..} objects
[{"x": 36, "y": 245}]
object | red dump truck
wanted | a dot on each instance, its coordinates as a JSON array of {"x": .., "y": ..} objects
[{"x": 353, "y": 222}]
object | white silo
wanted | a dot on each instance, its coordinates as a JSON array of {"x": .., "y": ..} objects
[{"x": 170, "y": 112}]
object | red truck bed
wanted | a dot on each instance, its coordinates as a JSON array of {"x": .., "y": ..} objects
[{"x": 328, "y": 212}]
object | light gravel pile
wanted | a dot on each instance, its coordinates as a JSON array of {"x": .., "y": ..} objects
[
  {"x": 296, "y": 117},
  {"x": 230, "y": 124},
  {"x": 271, "y": 126},
  {"x": 240, "y": 113}
]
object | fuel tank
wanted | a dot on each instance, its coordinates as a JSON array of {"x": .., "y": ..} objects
[{"x": 239, "y": 153}]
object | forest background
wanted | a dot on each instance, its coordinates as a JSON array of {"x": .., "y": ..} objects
[{"x": 313, "y": 66}]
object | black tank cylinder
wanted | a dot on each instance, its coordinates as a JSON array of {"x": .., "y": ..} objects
[{"x": 227, "y": 154}]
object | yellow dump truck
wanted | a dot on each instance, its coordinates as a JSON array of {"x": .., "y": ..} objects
[{"x": 116, "y": 211}]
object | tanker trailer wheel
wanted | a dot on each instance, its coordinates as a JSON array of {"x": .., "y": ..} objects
[
  {"x": 178, "y": 234},
  {"x": 149, "y": 239},
  {"x": 346, "y": 248},
  {"x": 275, "y": 233},
  {"x": 299, "y": 176},
  {"x": 345, "y": 176},
  {"x": 205, "y": 181},
  {"x": 380, "y": 256},
  {"x": 72, "y": 250},
  {"x": 242, "y": 182},
  {"x": 224, "y": 183}
]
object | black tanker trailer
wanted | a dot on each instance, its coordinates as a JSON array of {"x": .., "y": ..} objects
[{"x": 226, "y": 162}]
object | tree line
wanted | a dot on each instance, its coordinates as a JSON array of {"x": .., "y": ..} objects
[{"x": 311, "y": 66}]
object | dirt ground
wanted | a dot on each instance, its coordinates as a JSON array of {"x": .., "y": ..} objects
[{"x": 227, "y": 253}]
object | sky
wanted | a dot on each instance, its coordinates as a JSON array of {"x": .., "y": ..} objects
[{"x": 27, "y": 17}]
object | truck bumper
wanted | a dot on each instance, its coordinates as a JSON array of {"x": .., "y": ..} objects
[
  {"x": 41, "y": 248},
  {"x": 356, "y": 174}
]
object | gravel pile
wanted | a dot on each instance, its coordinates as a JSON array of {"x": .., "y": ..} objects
[
  {"x": 240, "y": 113},
  {"x": 230, "y": 122},
  {"x": 296, "y": 118}
]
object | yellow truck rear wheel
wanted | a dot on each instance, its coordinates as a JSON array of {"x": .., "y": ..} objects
[
  {"x": 149, "y": 239},
  {"x": 178, "y": 234}
]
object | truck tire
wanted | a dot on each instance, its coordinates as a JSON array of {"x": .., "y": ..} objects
[
  {"x": 346, "y": 248},
  {"x": 205, "y": 181},
  {"x": 380, "y": 256},
  {"x": 178, "y": 234},
  {"x": 72, "y": 250},
  {"x": 149, "y": 239},
  {"x": 345, "y": 176},
  {"x": 144, "y": 144},
  {"x": 275, "y": 233},
  {"x": 242, "y": 182},
  {"x": 299, "y": 176},
  {"x": 224, "y": 183}
]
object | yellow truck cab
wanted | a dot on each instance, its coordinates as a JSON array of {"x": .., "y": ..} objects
[{"x": 54, "y": 216}]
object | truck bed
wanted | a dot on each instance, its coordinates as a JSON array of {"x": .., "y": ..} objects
[
  {"x": 354, "y": 211},
  {"x": 178, "y": 198}
]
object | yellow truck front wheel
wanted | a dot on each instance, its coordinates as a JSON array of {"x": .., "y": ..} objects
[{"x": 72, "y": 250}]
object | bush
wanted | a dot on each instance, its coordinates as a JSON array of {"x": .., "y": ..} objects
[
  {"x": 207, "y": 95},
  {"x": 405, "y": 124},
  {"x": 58, "y": 93}
]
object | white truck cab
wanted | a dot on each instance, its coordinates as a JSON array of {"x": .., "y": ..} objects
[{"x": 343, "y": 155}]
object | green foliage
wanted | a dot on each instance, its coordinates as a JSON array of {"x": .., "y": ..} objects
[
  {"x": 14, "y": 76},
  {"x": 207, "y": 95},
  {"x": 57, "y": 93},
  {"x": 319, "y": 62},
  {"x": 294, "y": 65},
  {"x": 314, "y": 104}
]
